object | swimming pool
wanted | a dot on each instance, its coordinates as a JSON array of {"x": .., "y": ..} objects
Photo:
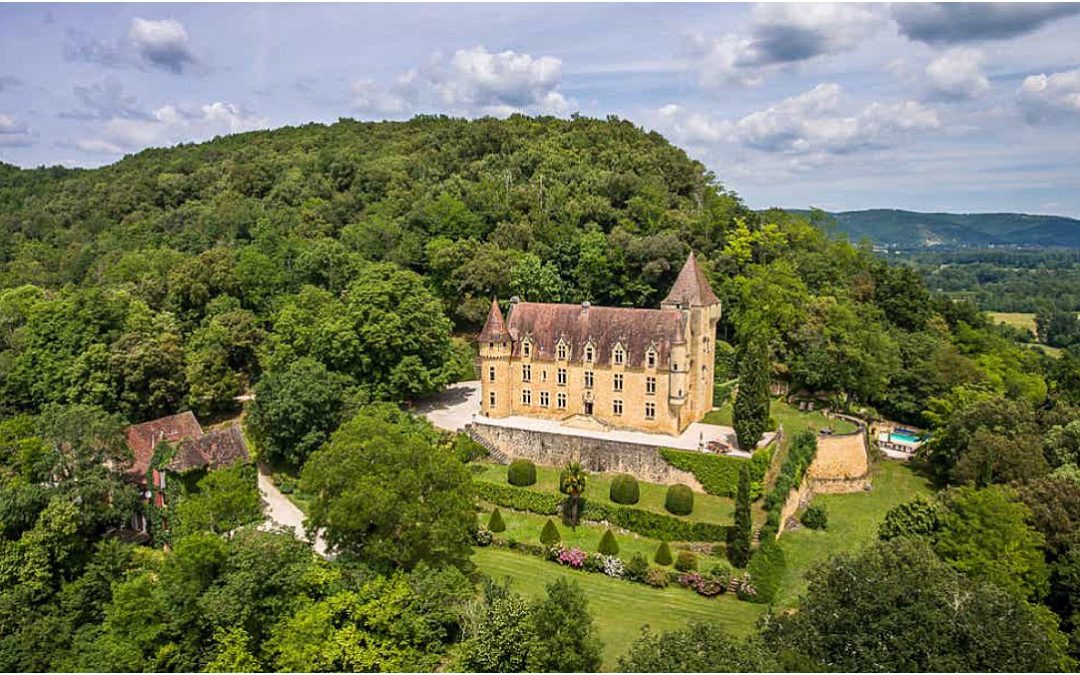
[{"x": 904, "y": 436}]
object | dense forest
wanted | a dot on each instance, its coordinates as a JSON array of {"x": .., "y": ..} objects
[{"x": 333, "y": 270}]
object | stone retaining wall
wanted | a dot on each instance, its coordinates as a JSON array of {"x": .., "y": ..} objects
[{"x": 641, "y": 461}]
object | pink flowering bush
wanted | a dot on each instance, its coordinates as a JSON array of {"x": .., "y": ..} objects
[
  {"x": 572, "y": 557},
  {"x": 707, "y": 586}
]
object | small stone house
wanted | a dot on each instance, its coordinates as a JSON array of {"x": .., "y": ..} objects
[{"x": 170, "y": 447}]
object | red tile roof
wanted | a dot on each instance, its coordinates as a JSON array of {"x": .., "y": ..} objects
[
  {"x": 494, "y": 328},
  {"x": 691, "y": 288},
  {"x": 142, "y": 438},
  {"x": 216, "y": 450},
  {"x": 636, "y": 329}
]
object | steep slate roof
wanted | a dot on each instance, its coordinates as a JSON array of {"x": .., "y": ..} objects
[
  {"x": 217, "y": 449},
  {"x": 545, "y": 324},
  {"x": 494, "y": 327},
  {"x": 691, "y": 288},
  {"x": 142, "y": 438}
]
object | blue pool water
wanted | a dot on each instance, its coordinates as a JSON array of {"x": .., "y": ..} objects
[{"x": 904, "y": 436}]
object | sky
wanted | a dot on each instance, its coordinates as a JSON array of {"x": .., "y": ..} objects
[{"x": 928, "y": 107}]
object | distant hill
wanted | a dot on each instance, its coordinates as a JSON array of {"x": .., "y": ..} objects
[{"x": 894, "y": 228}]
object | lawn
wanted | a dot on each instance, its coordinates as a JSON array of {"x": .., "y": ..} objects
[
  {"x": 620, "y": 608},
  {"x": 707, "y": 508},
  {"x": 792, "y": 419},
  {"x": 853, "y": 523},
  {"x": 525, "y": 527},
  {"x": 1021, "y": 320}
]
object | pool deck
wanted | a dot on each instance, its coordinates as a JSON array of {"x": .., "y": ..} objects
[{"x": 459, "y": 405}]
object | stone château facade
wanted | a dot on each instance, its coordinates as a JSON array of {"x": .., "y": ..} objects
[{"x": 640, "y": 369}]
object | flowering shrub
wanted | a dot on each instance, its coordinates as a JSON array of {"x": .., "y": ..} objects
[
  {"x": 613, "y": 567},
  {"x": 745, "y": 589},
  {"x": 554, "y": 551},
  {"x": 572, "y": 557},
  {"x": 482, "y": 536},
  {"x": 595, "y": 563},
  {"x": 657, "y": 577},
  {"x": 707, "y": 586}
]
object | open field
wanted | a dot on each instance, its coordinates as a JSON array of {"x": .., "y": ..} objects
[
  {"x": 853, "y": 523},
  {"x": 620, "y": 608},
  {"x": 707, "y": 508},
  {"x": 1021, "y": 320},
  {"x": 792, "y": 419}
]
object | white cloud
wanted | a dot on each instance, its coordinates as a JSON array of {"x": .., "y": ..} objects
[
  {"x": 172, "y": 124},
  {"x": 162, "y": 42},
  {"x": 13, "y": 132},
  {"x": 956, "y": 75},
  {"x": 783, "y": 34},
  {"x": 812, "y": 125},
  {"x": 1046, "y": 97}
]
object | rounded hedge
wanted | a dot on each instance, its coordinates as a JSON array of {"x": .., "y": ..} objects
[
  {"x": 521, "y": 473},
  {"x": 663, "y": 554},
  {"x": 679, "y": 500},
  {"x": 608, "y": 545},
  {"x": 550, "y": 534},
  {"x": 815, "y": 517},
  {"x": 495, "y": 522},
  {"x": 624, "y": 489},
  {"x": 686, "y": 562}
]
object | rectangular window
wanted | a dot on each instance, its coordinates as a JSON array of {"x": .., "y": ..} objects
[
  {"x": 526, "y": 397},
  {"x": 616, "y": 407},
  {"x": 561, "y": 376},
  {"x": 650, "y": 411},
  {"x": 616, "y": 384},
  {"x": 560, "y": 401},
  {"x": 526, "y": 348},
  {"x": 588, "y": 379},
  {"x": 650, "y": 359},
  {"x": 526, "y": 372},
  {"x": 491, "y": 373},
  {"x": 619, "y": 356},
  {"x": 545, "y": 399},
  {"x": 650, "y": 385},
  {"x": 543, "y": 375},
  {"x": 491, "y": 399}
]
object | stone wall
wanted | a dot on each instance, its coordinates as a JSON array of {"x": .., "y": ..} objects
[{"x": 642, "y": 461}]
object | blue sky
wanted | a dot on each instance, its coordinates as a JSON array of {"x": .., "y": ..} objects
[{"x": 842, "y": 106}]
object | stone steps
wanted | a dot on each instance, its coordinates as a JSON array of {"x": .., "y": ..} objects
[{"x": 494, "y": 453}]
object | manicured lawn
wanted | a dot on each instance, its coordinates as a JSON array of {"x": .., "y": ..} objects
[
  {"x": 707, "y": 508},
  {"x": 525, "y": 527},
  {"x": 620, "y": 608},
  {"x": 791, "y": 418},
  {"x": 853, "y": 523}
]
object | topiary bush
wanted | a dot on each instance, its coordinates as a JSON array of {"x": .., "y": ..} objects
[
  {"x": 521, "y": 473},
  {"x": 815, "y": 517},
  {"x": 679, "y": 500},
  {"x": 624, "y": 489},
  {"x": 686, "y": 561},
  {"x": 663, "y": 554},
  {"x": 608, "y": 545},
  {"x": 550, "y": 534},
  {"x": 495, "y": 522}
]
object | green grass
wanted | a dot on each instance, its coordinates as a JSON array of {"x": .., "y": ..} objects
[
  {"x": 791, "y": 418},
  {"x": 1021, "y": 320},
  {"x": 525, "y": 527},
  {"x": 620, "y": 608},
  {"x": 707, "y": 508},
  {"x": 853, "y": 523}
]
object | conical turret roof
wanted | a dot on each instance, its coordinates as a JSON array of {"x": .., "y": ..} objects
[
  {"x": 691, "y": 288},
  {"x": 494, "y": 328}
]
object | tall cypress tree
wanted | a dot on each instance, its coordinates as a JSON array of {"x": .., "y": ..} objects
[
  {"x": 751, "y": 413},
  {"x": 738, "y": 549}
]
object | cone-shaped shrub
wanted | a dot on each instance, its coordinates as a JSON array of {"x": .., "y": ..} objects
[
  {"x": 686, "y": 562},
  {"x": 550, "y": 534},
  {"x": 663, "y": 554},
  {"x": 495, "y": 522},
  {"x": 608, "y": 545},
  {"x": 679, "y": 500},
  {"x": 624, "y": 489},
  {"x": 521, "y": 473}
]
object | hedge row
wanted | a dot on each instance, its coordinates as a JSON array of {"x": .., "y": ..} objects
[
  {"x": 800, "y": 455},
  {"x": 645, "y": 523},
  {"x": 719, "y": 474}
]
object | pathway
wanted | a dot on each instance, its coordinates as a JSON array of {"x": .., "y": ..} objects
[{"x": 282, "y": 512}]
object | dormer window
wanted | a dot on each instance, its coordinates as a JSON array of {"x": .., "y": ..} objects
[
  {"x": 562, "y": 352},
  {"x": 650, "y": 358},
  {"x": 618, "y": 355},
  {"x": 526, "y": 347},
  {"x": 590, "y": 353}
]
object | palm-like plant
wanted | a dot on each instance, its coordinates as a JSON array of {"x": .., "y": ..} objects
[{"x": 572, "y": 484}]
